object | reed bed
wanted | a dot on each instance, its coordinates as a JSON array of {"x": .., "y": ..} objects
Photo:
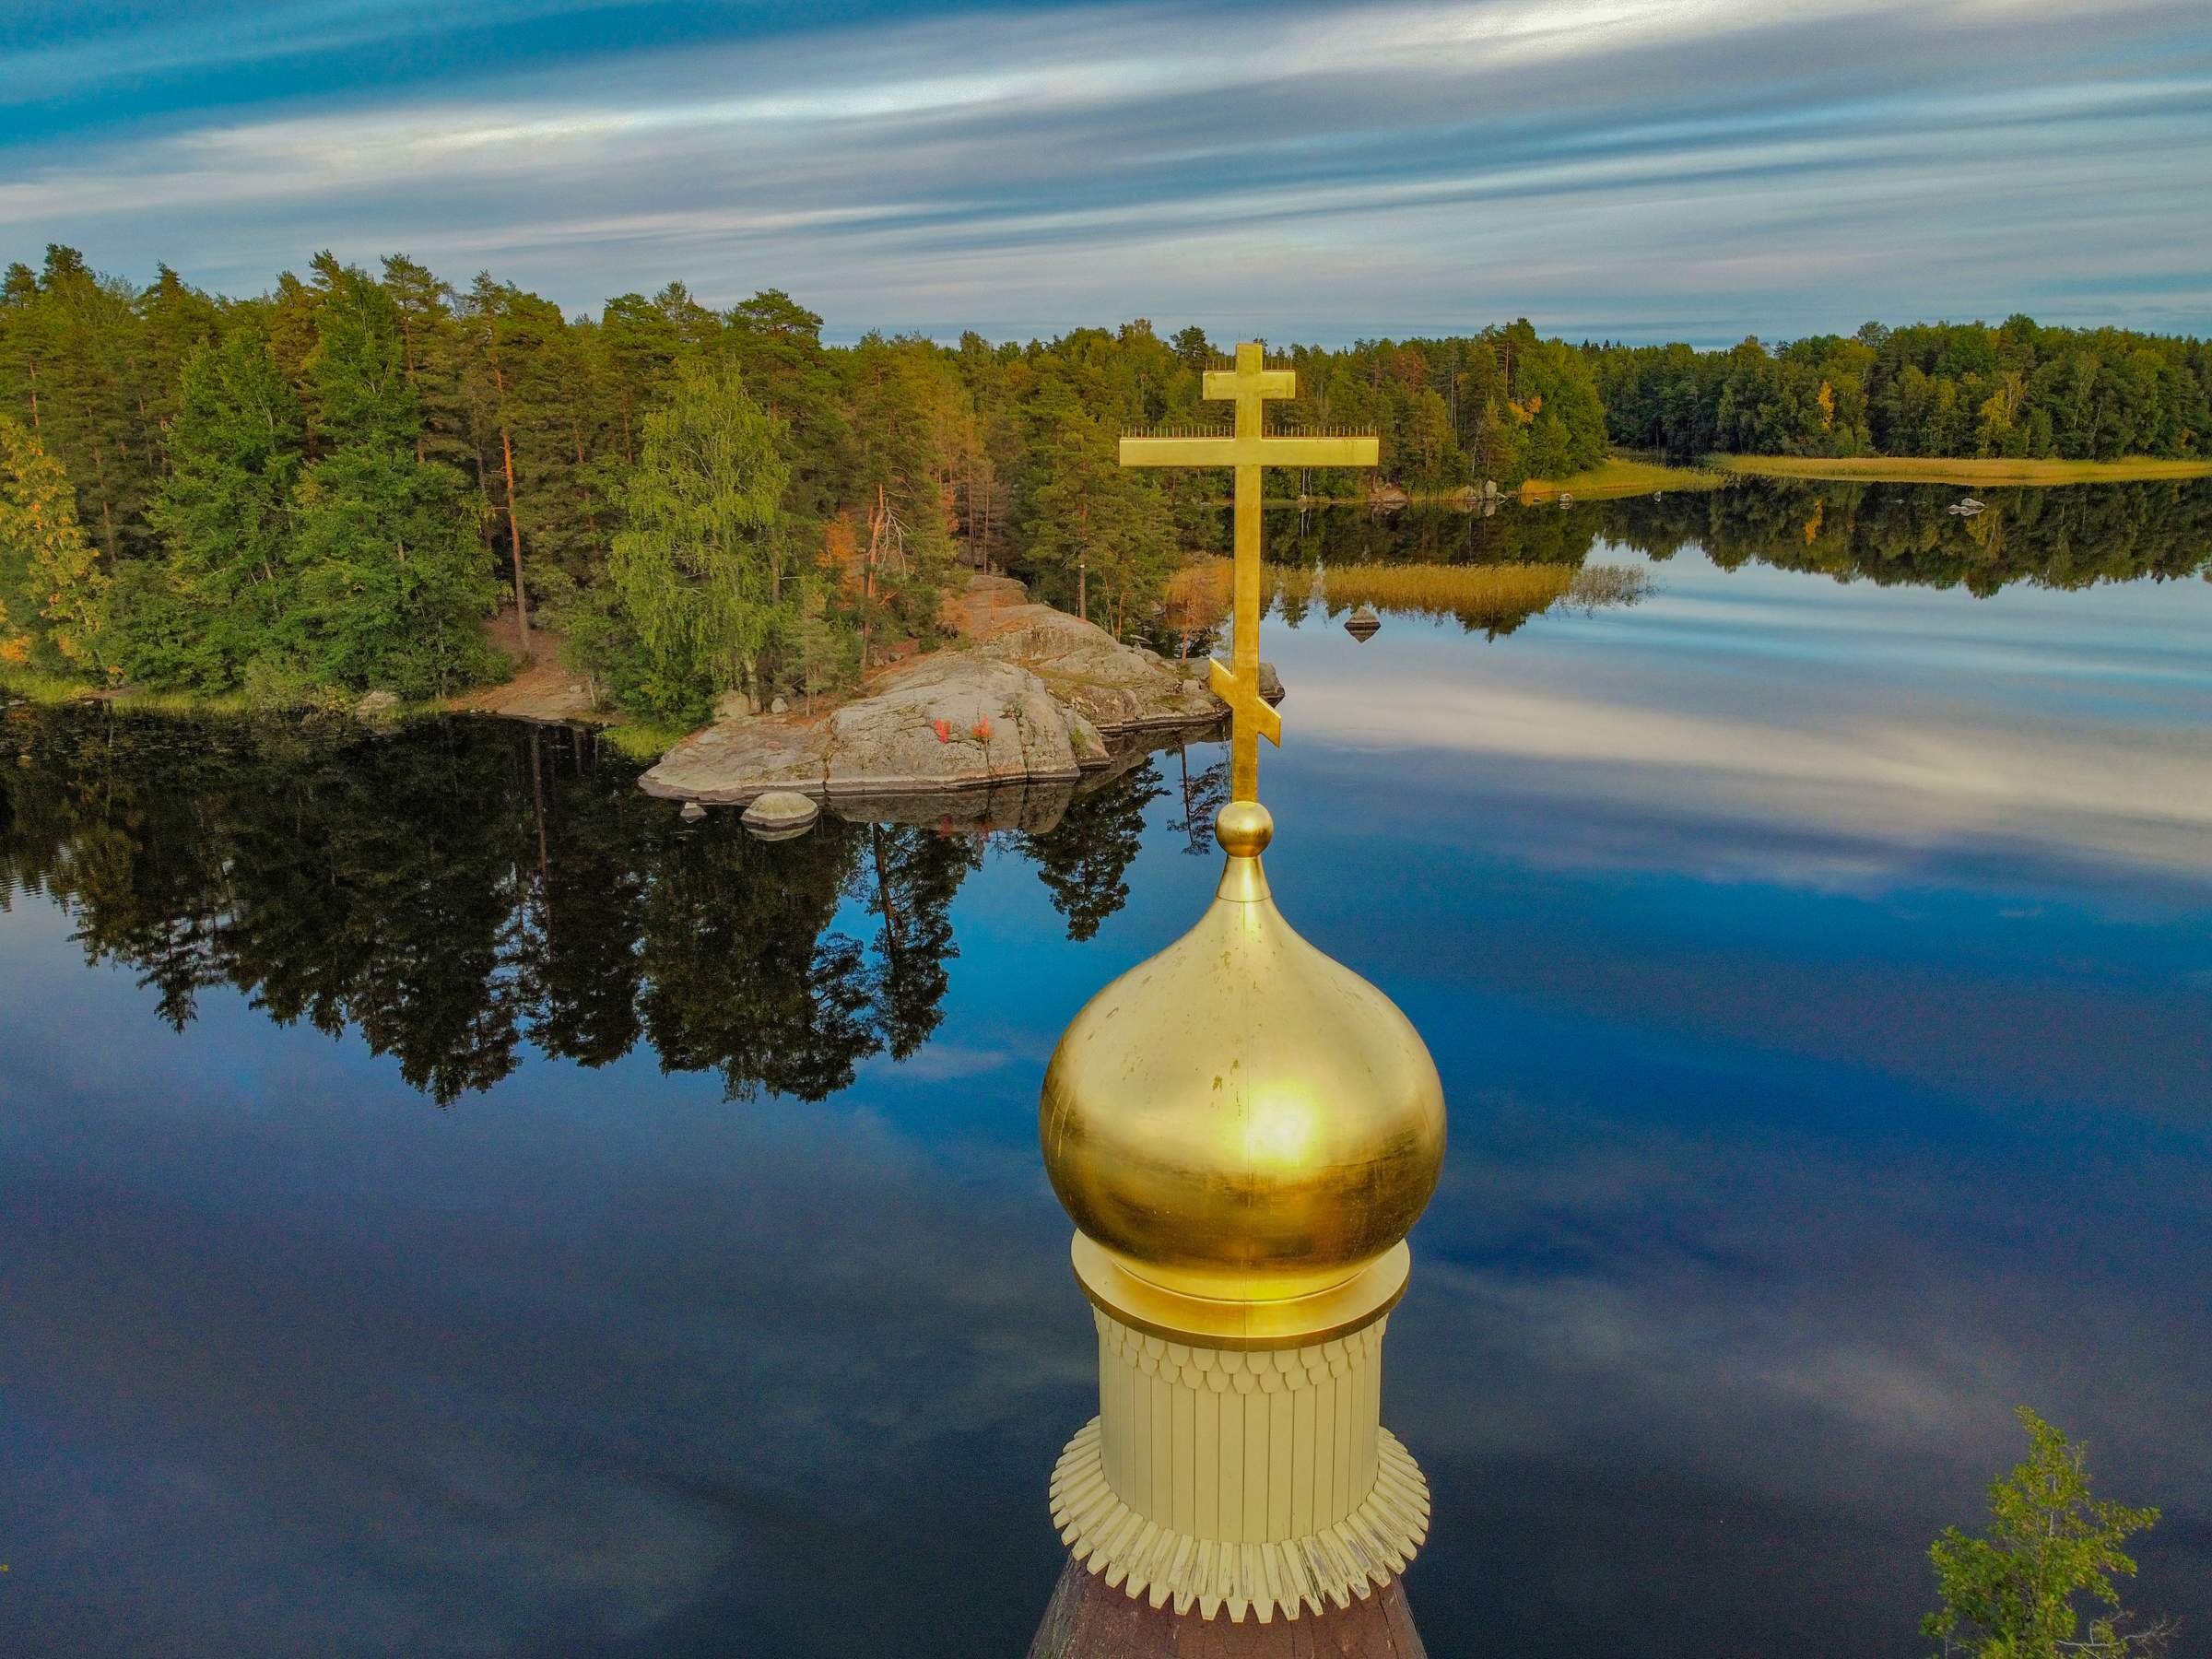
[
  {"x": 1485, "y": 597},
  {"x": 1476, "y": 596}
]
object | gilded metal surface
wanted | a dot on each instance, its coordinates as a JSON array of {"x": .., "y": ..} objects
[
  {"x": 1292, "y": 1322},
  {"x": 1241, "y": 1118},
  {"x": 1249, "y": 449},
  {"x": 1245, "y": 829}
]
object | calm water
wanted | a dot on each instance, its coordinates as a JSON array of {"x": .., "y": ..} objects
[{"x": 447, "y": 1204}]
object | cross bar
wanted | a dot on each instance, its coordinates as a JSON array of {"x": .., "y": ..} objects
[
  {"x": 1247, "y": 450},
  {"x": 1263, "y": 382},
  {"x": 1288, "y": 451}
]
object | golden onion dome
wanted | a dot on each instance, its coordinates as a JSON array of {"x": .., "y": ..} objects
[{"x": 1241, "y": 1118}]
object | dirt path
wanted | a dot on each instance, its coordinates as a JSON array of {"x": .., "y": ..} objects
[{"x": 545, "y": 688}]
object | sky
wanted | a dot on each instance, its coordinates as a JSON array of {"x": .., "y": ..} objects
[{"x": 1321, "y": 172}]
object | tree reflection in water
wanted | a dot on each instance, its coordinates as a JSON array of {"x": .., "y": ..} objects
[
  {"x": 462, "y": 887},
  {"x": 2068, "y": 538}
]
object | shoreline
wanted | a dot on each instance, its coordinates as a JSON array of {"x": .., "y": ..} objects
[{"x": 1938, "y": 469}]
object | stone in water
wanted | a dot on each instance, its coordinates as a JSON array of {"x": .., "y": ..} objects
[{"x": 780, "y": 814}]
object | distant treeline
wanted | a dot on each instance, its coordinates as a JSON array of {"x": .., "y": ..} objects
[
  {"x": 2018, "y": 390},
  {"x": 2157, "y": 530}
]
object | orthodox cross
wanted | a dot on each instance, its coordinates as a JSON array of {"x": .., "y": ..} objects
[{"x": 1248, "y": 449}]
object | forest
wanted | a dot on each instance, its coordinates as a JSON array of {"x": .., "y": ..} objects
[
  {"x": 380, "y": 481},
  {"x": 2016, "y": 391},
  {"x": 327, "y": 489}
]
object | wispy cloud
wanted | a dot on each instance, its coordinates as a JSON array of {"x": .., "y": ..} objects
[{"x": 1617, "y": 166}]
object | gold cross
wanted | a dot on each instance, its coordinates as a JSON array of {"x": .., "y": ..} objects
[{"x": 1248, "y": 449}]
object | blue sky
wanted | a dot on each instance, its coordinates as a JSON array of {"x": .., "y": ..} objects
[{"x": 1640, "y": 168}]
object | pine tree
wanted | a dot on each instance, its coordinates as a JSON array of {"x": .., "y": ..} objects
[
  {"x": 392, "y": 586},
  {"x": 636, "y": 346},
  {"x": 225, "y": 514},
  {"x": 778, "y": 343},
  {"x": 176, "y": 320},
  {"x": 1098, "y": 532},
  {"x": 82, "y": 342},
  {"x": 431, "y": 348}
]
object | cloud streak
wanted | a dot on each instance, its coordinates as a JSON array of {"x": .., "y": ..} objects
[{"x": 1627, "y": 167}]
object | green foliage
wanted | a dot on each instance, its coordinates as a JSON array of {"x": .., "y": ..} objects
[
  {"x": 2018, "y": 390},
  {"x": 391, "y": 582},
  {"x": 700, "y": 577},
  {"x": 2011, "y": 1595},
  {"x": 224, "y": 588},
  {"x": 1092, "y": 525},
  {"x": 53, "y": 596},
  {"x": 236, "y": 462},
  {"x": 778, "y": 346}
]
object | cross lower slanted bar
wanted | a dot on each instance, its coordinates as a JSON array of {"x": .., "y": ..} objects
[{"x": 1248, "y": 449}]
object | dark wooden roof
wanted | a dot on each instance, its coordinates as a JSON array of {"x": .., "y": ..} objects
[{"x": 1088, "y": 1620}]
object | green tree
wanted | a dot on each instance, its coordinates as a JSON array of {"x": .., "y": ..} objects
[
  {"x": 430, "y": 348},
  {"x": 1097, "y": 531},
  {"x": 778, "y": 344},
  {"x": 224, "y": 588},
  {"x": 911, "y": 418},
  {"x": 77, "y": 344},
  {"x": 50, "y": 583},
  {"x": 391, "y": 584},
  {"x": 2011, "y": 1595},
  {"x": 699, "y": 575}
]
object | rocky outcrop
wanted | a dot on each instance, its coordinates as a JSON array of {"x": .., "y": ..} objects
[
  {"x": 944, "y": 722},
  {"x": 1118, "y": 688},
  {"x": 1019, "y": 709}
]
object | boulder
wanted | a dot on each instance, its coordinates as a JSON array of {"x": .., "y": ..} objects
[
  {"x": 778, "y": 707},
  {"x": 780, "y": 814},
  {"x": 953, "y": 721},
  {"x": 735, "y": 705},
  {"x": 731, "y": 761},
  {"x": 692, "y": 812},
  {"x": 376, "y": 706},
  {"x": 1271, "y": 685},
  {"x": 1117, "y": 687},
  {"x": 942, "y": 722}
]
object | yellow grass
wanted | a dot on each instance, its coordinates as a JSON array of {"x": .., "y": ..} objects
[
  {"x": 1921, "y": 469},
  {"x": 643, "y": 739},
  {"x": 1621, "y": 475},
  {"x": 1476, "y": 596},
  {"x": 47, "y": 689}
]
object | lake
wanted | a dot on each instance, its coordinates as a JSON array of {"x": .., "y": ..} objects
[{"x": 449, "y": 1205}]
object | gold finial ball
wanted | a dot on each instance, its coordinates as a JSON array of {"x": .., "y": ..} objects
[
  {"x": 1245, "y": 829},
  {"x": 1241, "y": 1118}
]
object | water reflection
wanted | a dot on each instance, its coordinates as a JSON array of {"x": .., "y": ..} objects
[
  {"x": 1818, "y": 973},
  {"x": 455, "y": 890},
  {"x": 1884, "y": 532}
]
